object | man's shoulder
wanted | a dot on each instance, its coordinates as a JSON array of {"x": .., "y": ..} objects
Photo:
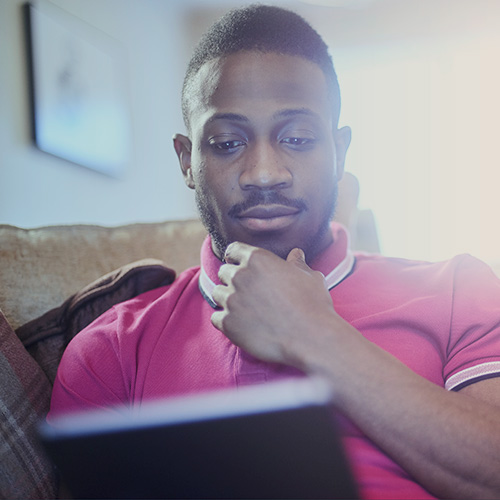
[
  {"x": 187, "y": 280},
  {"x": 412, "y": 271},
  {"x": 380, "y": 260},
  {"x": 145, "y": 307}
]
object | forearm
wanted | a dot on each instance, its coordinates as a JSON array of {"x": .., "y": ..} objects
[{"x": 449, "y": 442}]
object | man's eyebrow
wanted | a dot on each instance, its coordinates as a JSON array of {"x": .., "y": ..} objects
[
  {"x": 234, "y": 117},
  {"x": 290, "y": 113}
]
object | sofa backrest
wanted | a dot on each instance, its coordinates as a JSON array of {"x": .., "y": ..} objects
[{"x": 41, "y": 267}]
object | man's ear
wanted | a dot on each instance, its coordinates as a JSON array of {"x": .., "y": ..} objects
[
  {"x": 182, "y": 146},
  {"x": 342, "y": 140}
]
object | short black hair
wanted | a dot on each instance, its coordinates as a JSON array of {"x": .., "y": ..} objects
[{"x": 262, "y": 28}]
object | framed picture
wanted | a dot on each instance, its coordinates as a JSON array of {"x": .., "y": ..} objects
[{"x": 79, "y": 105}]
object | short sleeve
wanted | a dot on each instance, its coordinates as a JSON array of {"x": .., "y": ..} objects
[{"x": 473, "y": 351}]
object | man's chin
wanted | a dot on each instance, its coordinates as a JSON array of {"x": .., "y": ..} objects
[
  {"x": 220, "y": 244},
  {"x": 278, "y": 242},
  {"x": 311, "y": 246},
  {"x": 280, "y": 249}
]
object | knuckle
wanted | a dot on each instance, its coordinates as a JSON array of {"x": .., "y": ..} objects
[
  {"x": 255, "y": 256},
  {"x": 230, "y": 302},
  {"x": 231, "y": 250},
  {"x": 224, "y": 323},
  {"x": 222, "y": 273},
  {"x": 215, "y": 319},
  {"x": 319, "y": 275},
  {"x": 241, "y": 278},
  {"x": 228, "y": 251},
  {"x": 217, "y": 293}
]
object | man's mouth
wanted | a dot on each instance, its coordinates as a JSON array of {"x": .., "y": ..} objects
[{"x": 271, "y": 217}]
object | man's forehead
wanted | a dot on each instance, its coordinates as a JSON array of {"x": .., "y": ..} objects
[
  {"x": 205, "y": 82},
  {"x": 249, "y": 76}
]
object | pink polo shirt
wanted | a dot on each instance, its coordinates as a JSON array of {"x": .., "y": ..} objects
[{"x": 441, "y": 319}]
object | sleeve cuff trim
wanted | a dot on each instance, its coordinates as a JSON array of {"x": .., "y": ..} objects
[{"x": 472, "y": 375}]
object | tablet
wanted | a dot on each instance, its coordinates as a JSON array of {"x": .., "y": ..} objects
[{"x": 275, "y": 440}]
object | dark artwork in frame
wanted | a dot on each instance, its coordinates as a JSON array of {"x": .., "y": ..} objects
[{"x": 79, "y": 106}]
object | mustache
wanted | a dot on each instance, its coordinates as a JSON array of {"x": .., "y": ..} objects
[{"x": 257, "y": 198}]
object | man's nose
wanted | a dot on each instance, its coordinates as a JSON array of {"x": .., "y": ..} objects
[{"x": 265, "y": 168}]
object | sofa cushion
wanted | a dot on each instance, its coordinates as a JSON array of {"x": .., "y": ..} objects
[
  {"x": 46, "y": 337},
  {"x": 41, "y": 267},
  {"x": 24, "y": 399}
]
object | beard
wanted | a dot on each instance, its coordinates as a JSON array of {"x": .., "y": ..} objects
[{"x": 311, "y": 243}]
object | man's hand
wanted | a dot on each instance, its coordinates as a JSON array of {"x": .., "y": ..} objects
[{"x": 268, "y": 304}]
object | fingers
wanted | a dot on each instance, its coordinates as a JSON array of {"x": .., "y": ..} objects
[
  {"x": 226, "y": 273},
  {"x": 237, "y": 252},
  {"x": 236, "y": 257},
  {"x": 298, "y": 258},
  {"x": 220, "y": 294},
  {"x": 239, "y": 256},
  {"x": 254, "y": 280},
  {"x": 216, "y": 319}
]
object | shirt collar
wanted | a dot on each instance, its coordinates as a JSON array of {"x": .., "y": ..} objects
[{"x": 335, "y": 262}]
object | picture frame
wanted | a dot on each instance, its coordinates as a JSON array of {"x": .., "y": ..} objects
[{"x": 79, "y": 106}]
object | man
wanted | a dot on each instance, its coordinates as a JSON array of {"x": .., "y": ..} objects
[{"x": 411, "y": 349}]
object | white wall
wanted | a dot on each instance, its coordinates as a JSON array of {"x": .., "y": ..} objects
[
  {"x": 39, "y": 189},
  {"x": 420, "y": 82}
]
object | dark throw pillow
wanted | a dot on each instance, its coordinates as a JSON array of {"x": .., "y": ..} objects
[{"x": 46, "y": 337}]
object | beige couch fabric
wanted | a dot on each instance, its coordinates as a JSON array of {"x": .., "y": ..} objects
[{"x": 40, "y": 268}]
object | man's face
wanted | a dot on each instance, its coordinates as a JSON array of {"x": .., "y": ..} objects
[{"x": 264, "y": 156}]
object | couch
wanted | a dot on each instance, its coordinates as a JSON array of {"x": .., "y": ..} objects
[{"x": 54, "y": 281}]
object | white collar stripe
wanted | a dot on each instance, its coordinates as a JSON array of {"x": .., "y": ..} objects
[
  {"x": 332, "y": 279},
  {"x": 206, "y": 286},
  {"x": 341, "y": 271}
]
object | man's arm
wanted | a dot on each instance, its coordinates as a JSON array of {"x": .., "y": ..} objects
[{"x": 449, "y": 442}]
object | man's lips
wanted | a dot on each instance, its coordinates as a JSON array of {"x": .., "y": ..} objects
[
  {"x": 268, "y": 217},
  {"x": 268, "y": 211}
]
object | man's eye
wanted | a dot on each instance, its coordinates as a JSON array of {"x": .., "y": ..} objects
[
  {"x": 298, "y": 142},
  {"x": 226, "y": 147}
]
